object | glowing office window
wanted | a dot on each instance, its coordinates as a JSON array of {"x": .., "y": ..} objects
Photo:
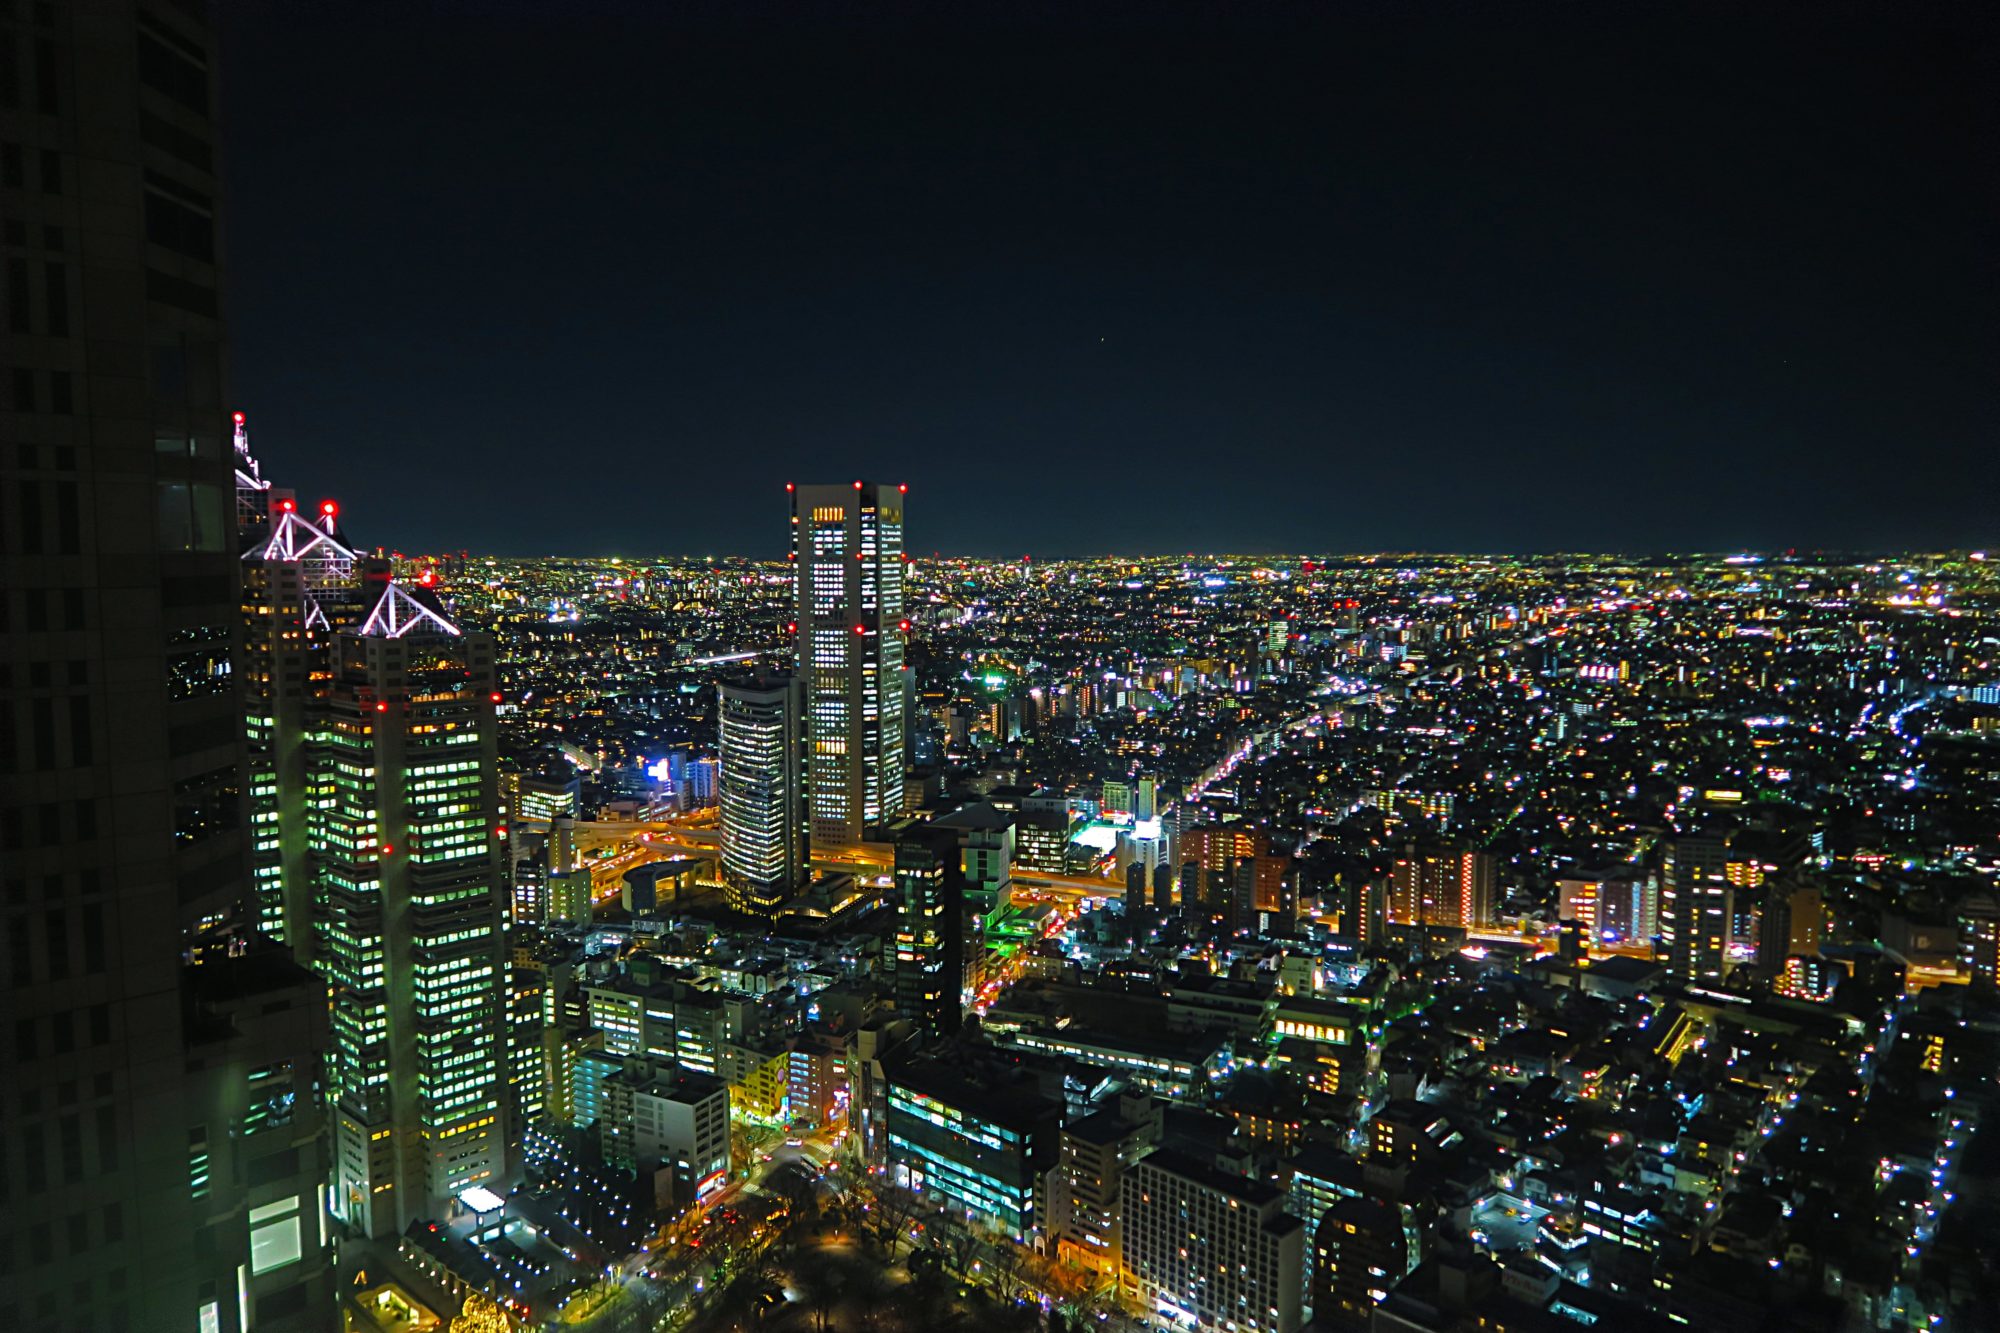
[{"x": 274, "y": 1242}]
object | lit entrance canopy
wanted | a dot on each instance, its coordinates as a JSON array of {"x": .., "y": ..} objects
[{"x": 481, "y": 1200}]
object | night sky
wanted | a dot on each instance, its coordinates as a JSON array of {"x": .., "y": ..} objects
[{"x": 1319, "y": 278}]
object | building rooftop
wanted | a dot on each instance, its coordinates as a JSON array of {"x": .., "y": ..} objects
[
  {"x": 1002, "y": 1102},
  {"x": 979, "y": 815},
  {"x": 1252, "y": 1193}
]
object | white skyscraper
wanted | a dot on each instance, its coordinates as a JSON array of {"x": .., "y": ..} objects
[
  {"x": 762, "y": 792},
  {"x": 847, "y": 550}
]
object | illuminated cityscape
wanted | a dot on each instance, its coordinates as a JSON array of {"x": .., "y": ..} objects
[{"x": 844, "y": 932}]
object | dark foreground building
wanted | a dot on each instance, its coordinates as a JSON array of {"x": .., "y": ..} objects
[{"x": 161, "y": 1158}]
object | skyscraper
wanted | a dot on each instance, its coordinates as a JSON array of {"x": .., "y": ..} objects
[
  {"x": 847, "y": 553},
  {"x": 1697, "y": 904},
  {"x": 930, "y": 929},
  {"x": 162, "y": 1160},
  {"x": 411, "y": 899},
  {"x": 298, "y": 585},
  {"x": 762, "y": 781}
]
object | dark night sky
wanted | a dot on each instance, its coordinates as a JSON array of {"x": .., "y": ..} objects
[{"x": 1324, "y": 278}]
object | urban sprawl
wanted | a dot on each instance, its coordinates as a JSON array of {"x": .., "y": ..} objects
[{"x": 1203, "y": 943}]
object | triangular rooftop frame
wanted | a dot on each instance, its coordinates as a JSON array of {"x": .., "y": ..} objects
[{"x": 396, "y": 613}]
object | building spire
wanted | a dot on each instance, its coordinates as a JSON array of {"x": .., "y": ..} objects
[{"x": 253, "y": 493}]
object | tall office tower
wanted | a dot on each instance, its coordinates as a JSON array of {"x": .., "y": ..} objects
[
  {"x": 762, "y": 780},
  {"x": 411, "y": 899},
  {"x": 161, "y": 1161},
  {"x": 567, "y": 885},
  {"x": 1441, "y": 885},
  {"x": 298, "y": 584},
  {"x": 847, "y": 552},
  {"x": 930, "y": 930},
  {"x": 1697, "y": 906}
]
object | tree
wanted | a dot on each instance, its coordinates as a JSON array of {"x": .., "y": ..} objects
[
  {"x": 866, "y": 1290},
  {"x": 923, "y": 1304},
  {"x": 482, "y": 1314},
  {"x": 890, "y": 1214},
  {"x": 1010, "y": 1271},
  {"x": 736, "y": 1304},
  {"x": 799, "y": 1193},
  {"x": 957, "y": 1240},
  {"x": 822, "y": 1282}
]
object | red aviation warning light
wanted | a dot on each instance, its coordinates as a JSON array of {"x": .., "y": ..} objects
[
  {"x": 494, "y": 697},
  {"x": 329, "y": 508},
  {"x": 790, "y": 487},
  {"x": 237, "y": 417},
  {"x": 903, "y": 488},
  {"x": 860, "y": 629},
  {"x": 287, "y": 506},
  {"x": 857, "y": 485},
  {"x": 382, "y": 707},
  {"x": 903, "y": 625}
]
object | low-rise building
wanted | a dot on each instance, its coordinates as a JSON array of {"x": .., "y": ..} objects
[{"x": 659, "y": 1114}]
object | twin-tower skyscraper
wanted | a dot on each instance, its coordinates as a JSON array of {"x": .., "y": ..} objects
[{"x": 818, "y": 756}]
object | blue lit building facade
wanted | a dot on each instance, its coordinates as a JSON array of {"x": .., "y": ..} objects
[{"x": 979, "y": 1147}]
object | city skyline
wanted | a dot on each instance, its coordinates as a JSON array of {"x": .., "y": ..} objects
[
  {"x": 1398, "y": 942},
  {"x": 1489, "y": 278}
]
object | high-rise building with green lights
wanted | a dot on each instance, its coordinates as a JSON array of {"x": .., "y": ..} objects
[
  {"x": 299, "y": 587},
  {"x": 409, "y": 906}
]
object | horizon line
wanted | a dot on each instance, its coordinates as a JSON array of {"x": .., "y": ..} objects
[{"x": 1746, "y": 553}]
